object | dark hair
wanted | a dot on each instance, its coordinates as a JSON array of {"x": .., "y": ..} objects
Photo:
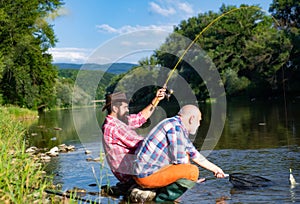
[{"x": 115, "y": 103}]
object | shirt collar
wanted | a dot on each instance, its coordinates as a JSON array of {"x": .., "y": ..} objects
[
  {"x": 115, "y": 120},
  {"x": 180, "y": 122}
]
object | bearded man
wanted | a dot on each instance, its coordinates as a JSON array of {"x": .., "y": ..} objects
[{"x": 119, "y": 137}]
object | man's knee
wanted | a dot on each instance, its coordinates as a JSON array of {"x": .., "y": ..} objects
[{"x": 194, "y": 172}]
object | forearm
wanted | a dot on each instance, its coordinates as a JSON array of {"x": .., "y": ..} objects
[
  {"x": 148, "y": 110},
  {"x": 203, "y": 162}
]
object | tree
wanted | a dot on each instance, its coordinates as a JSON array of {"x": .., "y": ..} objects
[
  {"x": 287, "y": 14},
  {"x": 28, "y": 77},
  {"x": 243, "y": 45}
]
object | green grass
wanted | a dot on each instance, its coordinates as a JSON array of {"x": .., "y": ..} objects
[
  {"x": 21, "y": 178},
  {"x": 20, "y": 114}
]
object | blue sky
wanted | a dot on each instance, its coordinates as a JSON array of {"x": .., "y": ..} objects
[{"x": 86, "y": 27}]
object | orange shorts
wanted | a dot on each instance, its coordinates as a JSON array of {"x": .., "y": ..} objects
[{"x": 169, "y": 174}]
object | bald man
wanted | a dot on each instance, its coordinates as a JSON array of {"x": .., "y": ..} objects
[{"x": 165, "y": 154}]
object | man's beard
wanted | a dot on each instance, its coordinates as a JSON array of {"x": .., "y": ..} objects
[{"x": 123, "y": 118}]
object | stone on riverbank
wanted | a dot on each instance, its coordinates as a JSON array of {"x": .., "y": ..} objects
[
  {"x": 66, "y": 148},
  {"x": 53, "y": 152},
  {"x": 32, "y": 150}
]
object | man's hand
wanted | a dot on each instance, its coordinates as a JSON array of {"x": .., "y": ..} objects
[
  {"x": 219, "y": 173},
  {"x": 160, "y": 94}
]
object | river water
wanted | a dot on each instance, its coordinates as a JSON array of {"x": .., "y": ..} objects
[{"x": 259, "y": 138}]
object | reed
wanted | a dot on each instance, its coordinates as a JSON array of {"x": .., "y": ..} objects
[{"x": 21, "y": 178}]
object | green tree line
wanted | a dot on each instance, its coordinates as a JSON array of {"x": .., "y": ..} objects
[{"x": 255, "y": 53}]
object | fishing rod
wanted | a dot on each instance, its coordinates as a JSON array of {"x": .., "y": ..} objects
[{"x": 196, "y": 38}]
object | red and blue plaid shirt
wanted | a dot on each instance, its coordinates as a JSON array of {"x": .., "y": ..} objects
[
  {"x": 167, "y": 143},
  {"x": 120, "y": 143}
]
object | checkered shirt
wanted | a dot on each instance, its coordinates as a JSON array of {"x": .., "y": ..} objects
[
  {"x": 120, "y": 142},
  {"x": 167, "y": 143}
]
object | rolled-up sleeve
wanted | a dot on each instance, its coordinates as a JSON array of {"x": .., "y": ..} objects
[
  {"x": 136, "y": 120},
  {"x": 192, "y": 151}
]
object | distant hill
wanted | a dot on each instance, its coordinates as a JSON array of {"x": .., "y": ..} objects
[{"x": 115, "y": 68}]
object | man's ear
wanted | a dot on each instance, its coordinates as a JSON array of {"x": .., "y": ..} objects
[
  {"x": 191, "y": 119},
  {"x": 115, "y": 109}
]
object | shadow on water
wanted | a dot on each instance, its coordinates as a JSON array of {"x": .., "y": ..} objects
[{"x": 255, "y": 140}]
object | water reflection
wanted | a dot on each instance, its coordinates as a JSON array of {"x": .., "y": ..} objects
[{"x": 257, "y": 139}]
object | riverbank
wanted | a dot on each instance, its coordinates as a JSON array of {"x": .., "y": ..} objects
[{"x": 22, "y": 178}]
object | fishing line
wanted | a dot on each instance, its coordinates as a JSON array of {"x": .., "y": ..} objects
[{"x": 199, "y": 35}]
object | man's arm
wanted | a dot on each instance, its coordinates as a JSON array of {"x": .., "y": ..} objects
[
  {"x": 148, "y": 110},
  {"x": 203, "y": 162}
]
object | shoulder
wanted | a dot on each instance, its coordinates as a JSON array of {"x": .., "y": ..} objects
[
  {"x": 169, "y": 123},
  {"x": 173, "y": 120},
  {"x": 109, "y": 125}
]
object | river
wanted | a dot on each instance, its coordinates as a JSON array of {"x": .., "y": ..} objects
[{"x": 259, "y": 138}]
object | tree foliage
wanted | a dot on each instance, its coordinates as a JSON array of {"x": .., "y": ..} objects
[
  {"x": 287, "y": 14},
  {"x": 27, "y": 75},
  {"x": 245, "y": 46},
  {"x": 79, "y": 87}
]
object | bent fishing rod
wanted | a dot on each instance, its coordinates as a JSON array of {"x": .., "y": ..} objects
[{"x": 198, "y": 36}]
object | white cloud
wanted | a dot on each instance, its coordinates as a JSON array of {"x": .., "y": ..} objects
[
  {"x": 129, "y": 44},
  {"x": 127, "y": 28},
  {"x": 186, "y": 7},
  {"x": 154, "y": 7},
  {"x": 72, "y": 55},
  {"x": 169, "y": 8},
  {"x": 106, "y": 28}
]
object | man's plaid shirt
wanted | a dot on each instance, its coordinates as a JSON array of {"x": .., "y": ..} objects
[
  {"x": 120, "y": 142},
  {"x": 167, "y": 143}
]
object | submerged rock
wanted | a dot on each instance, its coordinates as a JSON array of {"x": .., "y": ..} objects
[{"x": 87, "y": 151}]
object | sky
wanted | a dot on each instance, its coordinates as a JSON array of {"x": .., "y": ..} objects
[{"x": 102, "y": 31}]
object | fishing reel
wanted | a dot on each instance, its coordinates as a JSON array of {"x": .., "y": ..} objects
[{"x": 169, "y": 93}]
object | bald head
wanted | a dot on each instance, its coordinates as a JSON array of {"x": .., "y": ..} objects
[
  {"x": 189, "y": 110},
  {"x": 190, "y": 116}
]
